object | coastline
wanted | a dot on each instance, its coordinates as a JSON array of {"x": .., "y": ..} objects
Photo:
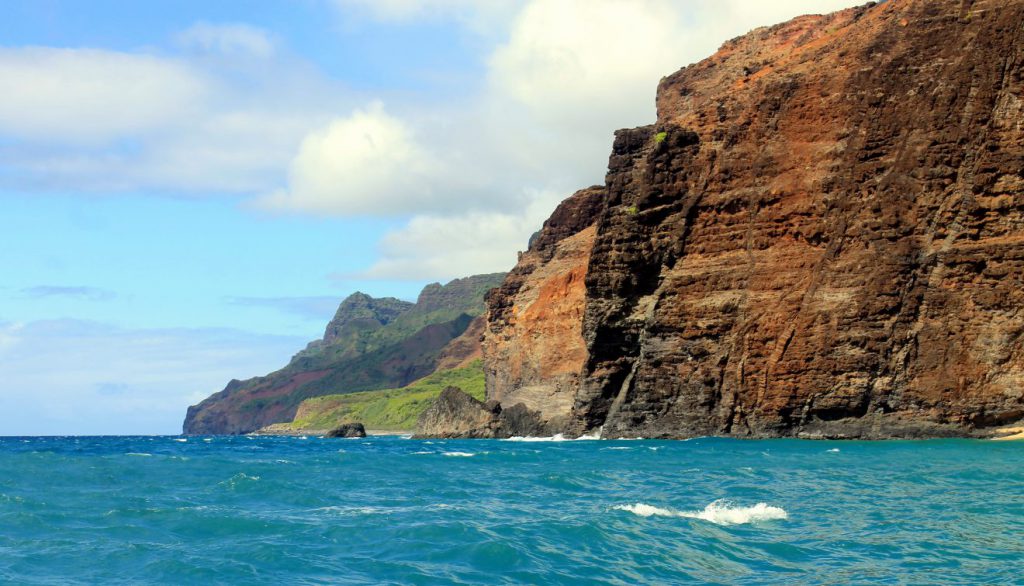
[
  {"x": 281, "y": 431},
  {"x": 1013, "y": 433}
]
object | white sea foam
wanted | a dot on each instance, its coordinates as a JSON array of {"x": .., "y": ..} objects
[
  {"x": 834, "y": 450},
  {"x": 405, "y": 436},
  {"x": 181, "y": 439},
  {"x": 142, "y": 454},
  {"x": 719, "y": 512},
  {"x": 207, "y": 439},
  {"x": 618, "y": 448},
  {"x": 555, "y": 438},
  {"x": 420, "y": 453},
  {"x": 341, "y": 510},
  {"x": 459, "y": 454},
  {"x": 304, "y": 437}
]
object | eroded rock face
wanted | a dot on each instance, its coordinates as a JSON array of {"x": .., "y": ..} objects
[
  {"x": 822, "y": 234},
  {"x": 455, "y": 414},
  {"x": 533, "y": 344}
]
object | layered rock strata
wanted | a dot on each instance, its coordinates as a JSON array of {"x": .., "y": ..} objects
[{"x": 821, "y": 235}]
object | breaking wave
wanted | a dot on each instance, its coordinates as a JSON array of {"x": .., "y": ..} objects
[
  {"x": 555, "y": 438},
  {"x": 720, "y": 512}
]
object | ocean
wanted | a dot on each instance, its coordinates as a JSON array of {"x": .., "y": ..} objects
[{"x": 392, "y": 510}]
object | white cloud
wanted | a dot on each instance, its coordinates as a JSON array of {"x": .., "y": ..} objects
[
  {"x": 481, "y": 17},
  {"x": 369, "y": 163},
  {"x": 226, "y": 120},
  {"x": 569, "y": 74},
  {"x": 229, "y": 39},
  {"x": 244, "y": 118},
  {"x": 75, "y": 377},
  {"x": 433, "y": 247},
  {"x": 586, "y": 64},
  {"x": 89, "y": 95}
]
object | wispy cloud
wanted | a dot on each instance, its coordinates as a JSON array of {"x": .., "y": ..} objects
[
  {"x": 80, "y": 377},
  {"x": 314, "y": 308},
  {"x": 74, "y": 292},
  {"x": 224, "y": 114},
  {"x": 229, "y": 39}
]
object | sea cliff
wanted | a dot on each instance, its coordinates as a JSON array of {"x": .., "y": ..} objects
[{"x": 822, "y": 235}]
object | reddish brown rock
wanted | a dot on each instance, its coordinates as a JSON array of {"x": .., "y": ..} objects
[
  {"x": 822, "y": 234},
  {"x": 534, "y": 345}
]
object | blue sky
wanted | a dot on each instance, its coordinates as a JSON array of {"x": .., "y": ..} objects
[{"x": 189, "y": 188}]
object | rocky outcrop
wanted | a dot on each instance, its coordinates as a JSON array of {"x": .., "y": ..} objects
[
  {"x": 370, "y": 344},
  {"x": 821, "y": 235},
  {"x": 347, "y": 430},
  {"x": 455, "y": 414}
]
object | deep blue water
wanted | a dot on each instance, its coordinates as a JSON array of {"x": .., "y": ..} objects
[{"x": 391, "y": 510}]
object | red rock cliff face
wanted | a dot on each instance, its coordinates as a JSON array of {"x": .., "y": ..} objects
[
  {"x": 533, "y": 346},
  {"x": 822, "y": 234}
]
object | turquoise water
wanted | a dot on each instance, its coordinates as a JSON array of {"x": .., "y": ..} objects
[{"x": 392, "y": 510}]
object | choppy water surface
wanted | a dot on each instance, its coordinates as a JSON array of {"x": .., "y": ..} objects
[{"x": 393, "y": 510}]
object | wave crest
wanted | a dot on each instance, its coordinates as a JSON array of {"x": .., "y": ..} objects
[
  {"x": 555, "y": 438},
  {"x": 720, "y": 512}
]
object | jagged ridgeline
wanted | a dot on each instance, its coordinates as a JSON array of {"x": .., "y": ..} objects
[{"x": 370, "y": 344}]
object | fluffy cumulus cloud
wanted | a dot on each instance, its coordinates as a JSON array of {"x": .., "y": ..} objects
[
  {"x": 581, "y": 67},
  {"x": 567, "y": 74},
  {"x": 368, "y": 163},
  {"x": 50, "y": 382}
]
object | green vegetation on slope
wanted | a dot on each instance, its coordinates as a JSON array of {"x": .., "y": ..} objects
[
  {"x": 370, "y": 344},
  {"x": 388, "y": 409}
]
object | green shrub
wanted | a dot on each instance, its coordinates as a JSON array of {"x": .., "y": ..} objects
[{"x": 660, "y": 137}]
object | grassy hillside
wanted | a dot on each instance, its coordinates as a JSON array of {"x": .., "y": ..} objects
[
  {"x": 388, "y": 409},
  {"x": 370, "y": 344}
]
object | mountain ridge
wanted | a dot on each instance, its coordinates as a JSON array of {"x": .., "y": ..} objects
[{"x": 370, "y": 344}]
